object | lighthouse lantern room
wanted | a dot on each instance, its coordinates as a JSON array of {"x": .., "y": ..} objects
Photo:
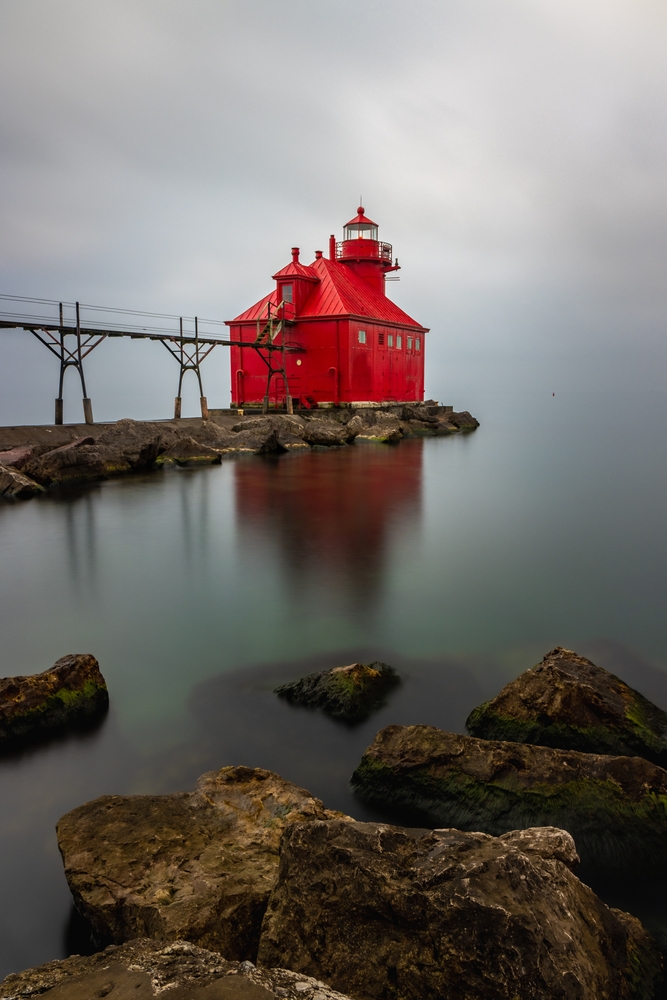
[{"x": 327, "y": 335}]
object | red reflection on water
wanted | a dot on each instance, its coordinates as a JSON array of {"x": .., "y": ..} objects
[{"x": 331, "y": 514}]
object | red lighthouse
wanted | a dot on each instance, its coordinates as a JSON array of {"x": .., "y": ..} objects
[{"x": 327, "y": 334}]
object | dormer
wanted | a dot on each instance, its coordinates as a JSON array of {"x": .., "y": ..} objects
[{"x": 294, "y": 282}]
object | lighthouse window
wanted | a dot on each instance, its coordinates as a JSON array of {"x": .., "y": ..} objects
[
  {"x": 399, "y": 341},
  {"x": 362, "y": 336},
  {"x": 409, "y": 343},
  {"x": 418, "y": 344},
  {"x": 390, "y": 340},
  {"x": 287, "y": 293}
]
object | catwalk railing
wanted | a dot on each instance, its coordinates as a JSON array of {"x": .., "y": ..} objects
[{"x": 71, "y": 330}]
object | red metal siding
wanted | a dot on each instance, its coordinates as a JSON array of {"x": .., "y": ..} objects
[{"x": 333, "y": 300}]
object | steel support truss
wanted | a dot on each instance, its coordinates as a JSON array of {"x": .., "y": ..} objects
[
  {"x": 189, "y": 354},
  {"x": 70, "y": 357}
]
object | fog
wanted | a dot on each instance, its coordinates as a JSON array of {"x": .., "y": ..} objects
[{"x": 166, "y": 155}]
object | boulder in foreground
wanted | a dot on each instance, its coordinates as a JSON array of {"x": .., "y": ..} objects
[
  {"x": 197, "y": 866},
  {"x": 349, "y": 693},
  {"x": 144, "y": 969},
  {"x": 614, "y": 807},
  {"x": 71, "y": 692},
  {"x": 416, "y": 914},
  {"x": 568, "y": 702}
]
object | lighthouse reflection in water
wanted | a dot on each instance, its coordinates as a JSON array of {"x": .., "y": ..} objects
[{"x": 330, "y": 518}]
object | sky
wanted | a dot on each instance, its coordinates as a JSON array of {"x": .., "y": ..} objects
[{"x": 166, "y": 155}]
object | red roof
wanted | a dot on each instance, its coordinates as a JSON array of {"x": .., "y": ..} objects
[
  {"x": 339, "y": 292},
  {"x": 258, "y": 311},
  {"x": 361, "y": 218},
  {"x": 296, "y": 270}
]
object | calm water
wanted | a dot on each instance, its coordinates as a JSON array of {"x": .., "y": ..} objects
[{"x": 461, "y": 561}]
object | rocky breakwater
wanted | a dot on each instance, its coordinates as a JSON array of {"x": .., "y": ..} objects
[
  {"x": 388, "y": 912},
  {"x": 144, "y": 969},
  {"x": 32, "y": 465},
  {"x": 566, "y": 701},
  {"x": 349, "y": 693},
  {"x": 71, "y": 693},
  {"x": 195, "y": 866},
  {"x": 614, "y": 807}
]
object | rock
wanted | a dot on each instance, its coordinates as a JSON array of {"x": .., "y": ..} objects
[
  {"x": 289, "y": 429},
  {"x": 144, "y": 968},
  {"x": 126, "y": 446},
  {"x": 129, "y": 443},
  {"x": 353, "y": 427},
  {"x": 568, "y": 702},
  {"x": 462, "y": 420},
  {"x": 386, "y": 429},
  {"x": 16, "y": 457},
  {"x": 349, "y": 693},
  {"x": 326, "y": 433},
  {"x": 79, "y": 459},
  {"x": 187, "y": 451},
  {"x": 388, "y": 912},
  {"x": 198, "y": 866},
  {"x": 16, "y": 484},
  {"x": 614, "y": 807},
  {"x": 72, "y": 691},
  {"x": 255, "y": 440}
]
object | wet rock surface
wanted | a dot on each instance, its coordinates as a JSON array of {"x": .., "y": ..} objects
[
  {"x": 568, "y": 702},
  {"x": 349, "y": 693},
  {"x": 614, "y": 807},
  {"x": 70, "y": 693},
  {"x": 198, "y": 866},
  {"x": 407, "y": 913},
  {"x": 144, "y": 968}
]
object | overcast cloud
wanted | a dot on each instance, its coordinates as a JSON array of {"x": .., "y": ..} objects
[{"x": 166, "y": 154}]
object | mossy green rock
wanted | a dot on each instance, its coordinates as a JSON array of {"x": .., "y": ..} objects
[
  {"x": 71, "y": 692},
  {"x": 570, "y": 703},
  {"x": 614, "y": 807},
  {"x": 349, "y": 693}
]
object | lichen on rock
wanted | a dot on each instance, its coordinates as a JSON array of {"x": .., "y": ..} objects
[
  {"x": 349, "y": 693},
  {"x": 570, "y": 703},
  {"x": 614, "y": 807},
  {"x": 70, "y": 692}
]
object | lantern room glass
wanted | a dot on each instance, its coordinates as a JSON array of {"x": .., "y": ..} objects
[{"x": 360, "y": 231}]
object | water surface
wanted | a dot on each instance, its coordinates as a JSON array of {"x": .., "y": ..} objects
[{"x": 460, "y": 561}]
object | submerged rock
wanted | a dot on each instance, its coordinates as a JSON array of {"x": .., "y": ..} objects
[
  {"x": 614, "y": 807},
  {"x": 568, "y": 702},
  {"x": 144, "y": 968},
  {"x": 387, "y": 912},
  {"x": 16, "y": 484},
  {"x": 349, "y": 693},
  {"x": 72, "y": 691},
  {"x": 198, "y": 866}
]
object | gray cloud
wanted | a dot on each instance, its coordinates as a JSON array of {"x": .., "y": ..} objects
[{"x": 165, "y": 155}]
